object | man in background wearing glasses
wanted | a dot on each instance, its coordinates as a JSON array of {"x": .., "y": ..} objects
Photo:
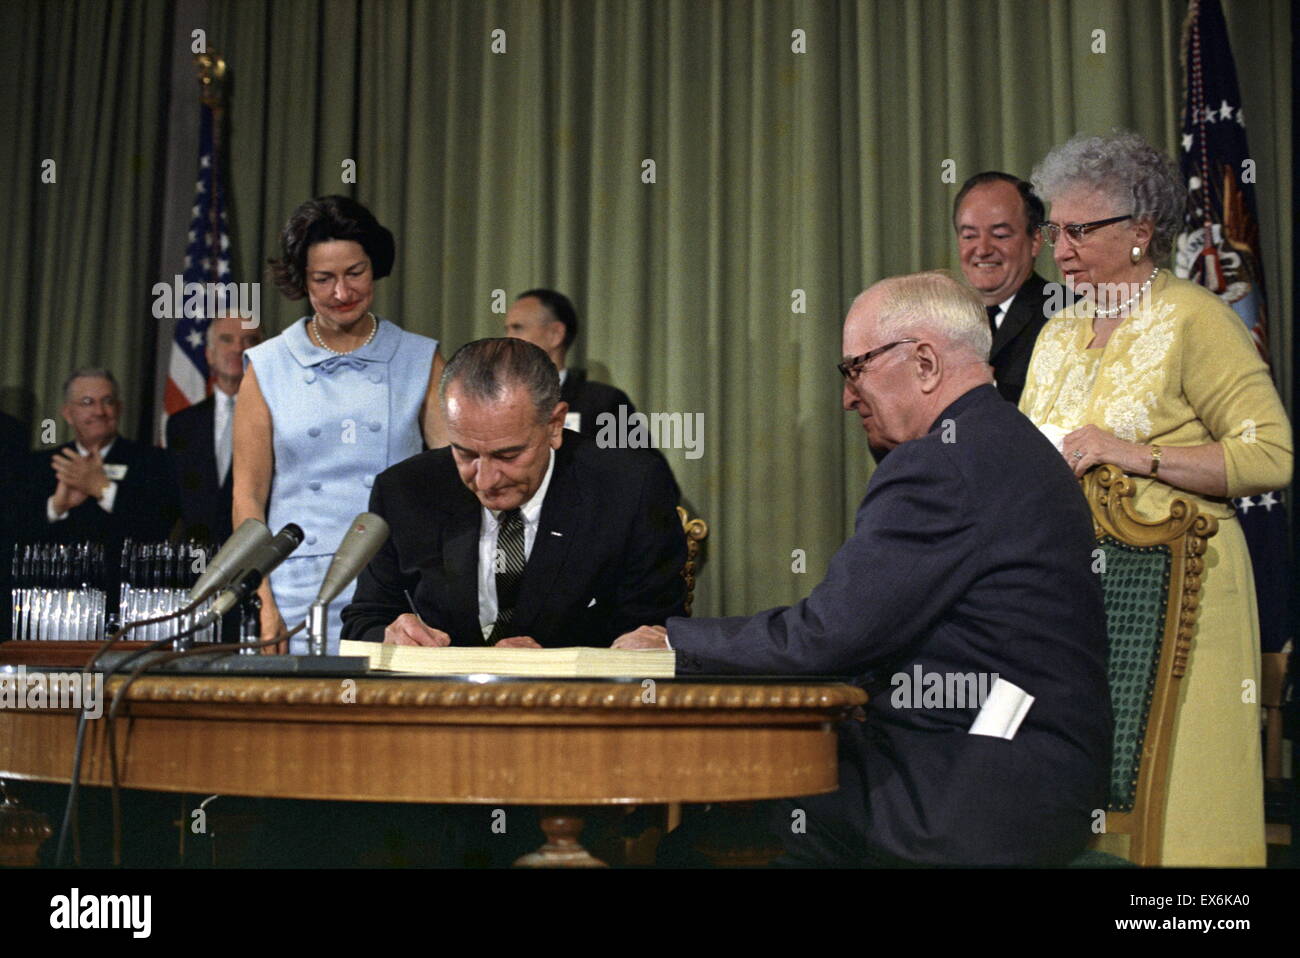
[
  {"x": 964, "y": 602},
  {"x": 101, "y": 486}
]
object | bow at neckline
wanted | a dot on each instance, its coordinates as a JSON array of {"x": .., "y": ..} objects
[{"x": 329, "y": 366}]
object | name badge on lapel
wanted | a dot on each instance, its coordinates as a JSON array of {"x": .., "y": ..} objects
[
  {"x": 573, "y": 420},
  {"x": 115, "y": 471}
]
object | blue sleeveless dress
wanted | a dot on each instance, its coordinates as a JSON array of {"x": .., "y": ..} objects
[{"x": 337, "y": 422}]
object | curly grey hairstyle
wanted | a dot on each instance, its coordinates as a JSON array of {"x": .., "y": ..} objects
[{"x": 1126, "y": 168}]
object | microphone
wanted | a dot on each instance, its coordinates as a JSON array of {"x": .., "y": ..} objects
[
  {"x": 262, "y": 563},
  {"x": 360, "y": 543},
  {"x": 233, "y": 556}
]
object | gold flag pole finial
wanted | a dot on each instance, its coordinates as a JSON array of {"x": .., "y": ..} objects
[{"x": 212, "y": 77}]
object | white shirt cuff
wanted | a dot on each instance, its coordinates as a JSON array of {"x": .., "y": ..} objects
[{"x": 50, "y": 514}]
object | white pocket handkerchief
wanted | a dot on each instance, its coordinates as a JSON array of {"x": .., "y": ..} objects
[
  {"x": 1005, "y": 707},
  {"x": 592, "y": 602}
]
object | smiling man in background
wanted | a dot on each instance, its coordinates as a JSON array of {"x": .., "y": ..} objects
[
  {"x": 996, "y": 216},
  {"x": 100, "y": 486}
]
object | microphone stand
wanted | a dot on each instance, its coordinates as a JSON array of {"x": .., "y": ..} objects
[
  {"x": 318, "y": 628},
  {"x": 250, "y": 624}
]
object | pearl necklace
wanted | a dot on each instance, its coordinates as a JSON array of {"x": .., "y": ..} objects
[
  {"x": 1115, "y": 311},
  {"x": 319, "y": 340}
]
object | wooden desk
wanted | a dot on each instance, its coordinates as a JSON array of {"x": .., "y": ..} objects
[{"x": 501, "y": 741}]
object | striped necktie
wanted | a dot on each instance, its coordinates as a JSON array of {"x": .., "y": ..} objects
[{"x": 509, "y": 571}]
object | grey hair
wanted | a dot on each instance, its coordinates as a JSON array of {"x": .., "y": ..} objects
[
  {"x": 1126, "y": 168},
  {"x": 89, "y": 372},
  {"x": 936, "y": 302},
  {"x": 486, "y": 368}
]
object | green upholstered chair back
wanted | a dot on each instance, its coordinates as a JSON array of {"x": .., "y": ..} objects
[
  {"x": 1151, "y": 584},
  {"x": 1135, "y": 586}
]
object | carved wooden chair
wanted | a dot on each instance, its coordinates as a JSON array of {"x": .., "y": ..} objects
[
  {"x": 1151, "y": 583},
  {"x": 697, "y": 530}
]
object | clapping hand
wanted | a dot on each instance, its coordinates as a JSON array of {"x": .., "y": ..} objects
[{"x": 84, "y": 474}]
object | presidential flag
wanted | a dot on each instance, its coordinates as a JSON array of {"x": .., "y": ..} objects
[{"x": 1220, "y": 249}]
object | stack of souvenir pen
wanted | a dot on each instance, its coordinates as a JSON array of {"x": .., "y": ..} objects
[
  {"x": 59, "y": 592},
  {"x": 156, "y": 580}
]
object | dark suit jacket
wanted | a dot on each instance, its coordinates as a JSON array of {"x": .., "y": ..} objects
[
  {"x": 968, "y": 556},
  {"x": 589, "y": 399},
  {"x": 145, "y": 509},
  {"x": 608, "y": 531},
  {"x": 1014, "y": 343},
  {"x": 14, "y": 436},
  {"x": 205, "y": 504},
  {"x": 13, "y": 460}
]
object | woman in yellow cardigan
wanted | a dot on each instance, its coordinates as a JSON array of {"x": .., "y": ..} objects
[{"x": 1156, "y": 375}]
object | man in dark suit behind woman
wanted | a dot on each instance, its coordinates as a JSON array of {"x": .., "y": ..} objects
[
  {"x": 996, "y": 216},
  {"x": 948, "y": 576},
  {"x": 199, "y": 437}
]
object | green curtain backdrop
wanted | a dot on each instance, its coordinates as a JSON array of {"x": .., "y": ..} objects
[{"x": 779, "y": 175}]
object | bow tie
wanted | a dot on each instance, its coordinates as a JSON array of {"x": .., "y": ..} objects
[{"x": 329, "y": 366}]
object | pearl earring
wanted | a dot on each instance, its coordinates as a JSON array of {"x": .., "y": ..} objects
[{"x": 1135, "y": 254}]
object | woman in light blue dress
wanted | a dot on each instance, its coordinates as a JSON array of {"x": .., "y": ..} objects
[{"x": 328, "y": 404}]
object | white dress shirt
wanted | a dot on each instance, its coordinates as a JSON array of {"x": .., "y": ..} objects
[
  {"x": 1003, "y": 307},
  {"x": 105, "y": 501},
  {"x": 489, "y": 525}
]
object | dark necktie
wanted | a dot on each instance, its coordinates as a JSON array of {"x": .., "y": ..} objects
[
  {"x": 509, "y": 570},
  {"x": 993, "y": 317}
]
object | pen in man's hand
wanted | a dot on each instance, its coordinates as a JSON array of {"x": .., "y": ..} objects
[{"x": 411, "y": 603}]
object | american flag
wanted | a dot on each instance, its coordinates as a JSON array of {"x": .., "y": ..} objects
[
  {"x": 207, "y": 259},
  {"x": 1220, "y": 249}
]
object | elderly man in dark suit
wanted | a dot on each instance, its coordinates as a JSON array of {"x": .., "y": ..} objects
[
  {"x": 520, "y": 533},
  {"x": 199, "y": 438},
  {"x": 996, "y": 216},
  {"x": 964, "y": 602},
  {"x": 101, "y": 486}
]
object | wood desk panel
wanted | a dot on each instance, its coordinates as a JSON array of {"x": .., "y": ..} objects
[{"x": 431, "y": 740}]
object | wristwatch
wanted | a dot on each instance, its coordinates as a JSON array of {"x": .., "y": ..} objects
[{"x": 1156, "y": 453}]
